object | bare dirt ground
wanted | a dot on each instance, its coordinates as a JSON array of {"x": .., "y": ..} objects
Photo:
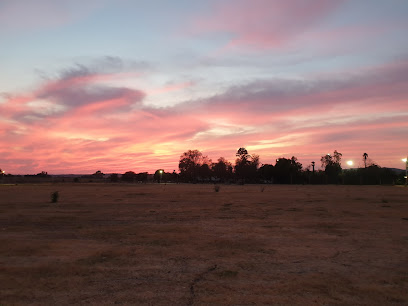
[{"x": 188, "y": 245}]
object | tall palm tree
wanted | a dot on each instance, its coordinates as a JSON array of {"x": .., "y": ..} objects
[{"x": 365, "y": 155}]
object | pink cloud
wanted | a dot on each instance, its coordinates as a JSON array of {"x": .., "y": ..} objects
[
  {"x": 110, "y": 129},
  {"x": 264, "y": 23}
]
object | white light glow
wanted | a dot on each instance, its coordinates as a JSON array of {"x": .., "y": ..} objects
[{"x": 350, "y": 162}]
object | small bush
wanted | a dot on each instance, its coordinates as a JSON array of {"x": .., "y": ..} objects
[
  {"x": 217, "y": 188},
  {"x": 54, "y": 197}
]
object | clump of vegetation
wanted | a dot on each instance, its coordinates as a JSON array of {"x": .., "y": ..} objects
[
  {"x": 54, "y": 197},
  {"x": 217, "y": 188}
]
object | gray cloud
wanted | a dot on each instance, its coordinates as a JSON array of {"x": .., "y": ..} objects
[
  {"x": 78, "y": 86},
  {"x": 276, "y": 95},
  {"x": 81, "y": 95}
]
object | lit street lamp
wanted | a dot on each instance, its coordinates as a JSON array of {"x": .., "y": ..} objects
[
  {"x": 161, "y": 175},
  {"x": 405, "y": 160}
]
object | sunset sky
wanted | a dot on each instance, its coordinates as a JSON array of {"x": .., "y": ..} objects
[{"x": 119, "y": 85}]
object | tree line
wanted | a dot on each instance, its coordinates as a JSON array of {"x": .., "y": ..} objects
[{"x": 195, "y": 167}]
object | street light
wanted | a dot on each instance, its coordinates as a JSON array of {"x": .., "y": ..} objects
[
  {"x": 350, "y": 163},
  {"x": 405, "y": 160},
  {"x": 161, "y": 175}
]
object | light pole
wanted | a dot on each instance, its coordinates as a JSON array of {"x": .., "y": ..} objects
[
  {"x": 405, "y": 160},
  {"x": 161, "y": 175}
]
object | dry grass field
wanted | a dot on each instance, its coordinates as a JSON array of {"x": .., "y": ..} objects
[{"x": 188, "y": 245}]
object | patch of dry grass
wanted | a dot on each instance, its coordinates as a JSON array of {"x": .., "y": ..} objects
[{"x": 186, "y": 244}]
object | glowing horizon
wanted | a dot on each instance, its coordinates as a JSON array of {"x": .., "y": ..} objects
[{"x": 100, "y": 86}]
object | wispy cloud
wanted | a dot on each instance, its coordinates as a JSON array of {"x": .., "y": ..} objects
[
  {"x": 263, "y": 23},
  {"x": 77, "y": 122}
]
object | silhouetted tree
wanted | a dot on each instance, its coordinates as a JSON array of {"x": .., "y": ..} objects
[
  {"x": 43, "y": 174},
  {"x": 351, "y": 177},
  {"x": 332, "y": 166},
  {"x": 222, "y": 169},
  {"x": 266, "y": 173},
  {"x": 98, "y": 174},
  {"x": 388, "y": 176},
  {"x": 288, "y": 170},
  {"x": 246, "y": 166},
  {"x": 372, "y": 175},
  {"x": 141, "y": 177},
  {"x": 365, "y": 155},
  {"x": 242, "y": 154},
  {"x": 252, "y": 172},
  {"x": 190, "y": 163},
  {"x": 204, "y": 172},
  {"x": 114, "y": 177},
  {"x": 174, "y": 176},
  {"x": 129, "y": 177},
  {"x": 369, "y": 172}
]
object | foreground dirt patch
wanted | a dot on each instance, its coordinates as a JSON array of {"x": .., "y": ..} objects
[{"x": 188, "y": 245}]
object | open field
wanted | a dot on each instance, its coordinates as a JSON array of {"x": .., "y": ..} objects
[{"x": 188, "y": 245}]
